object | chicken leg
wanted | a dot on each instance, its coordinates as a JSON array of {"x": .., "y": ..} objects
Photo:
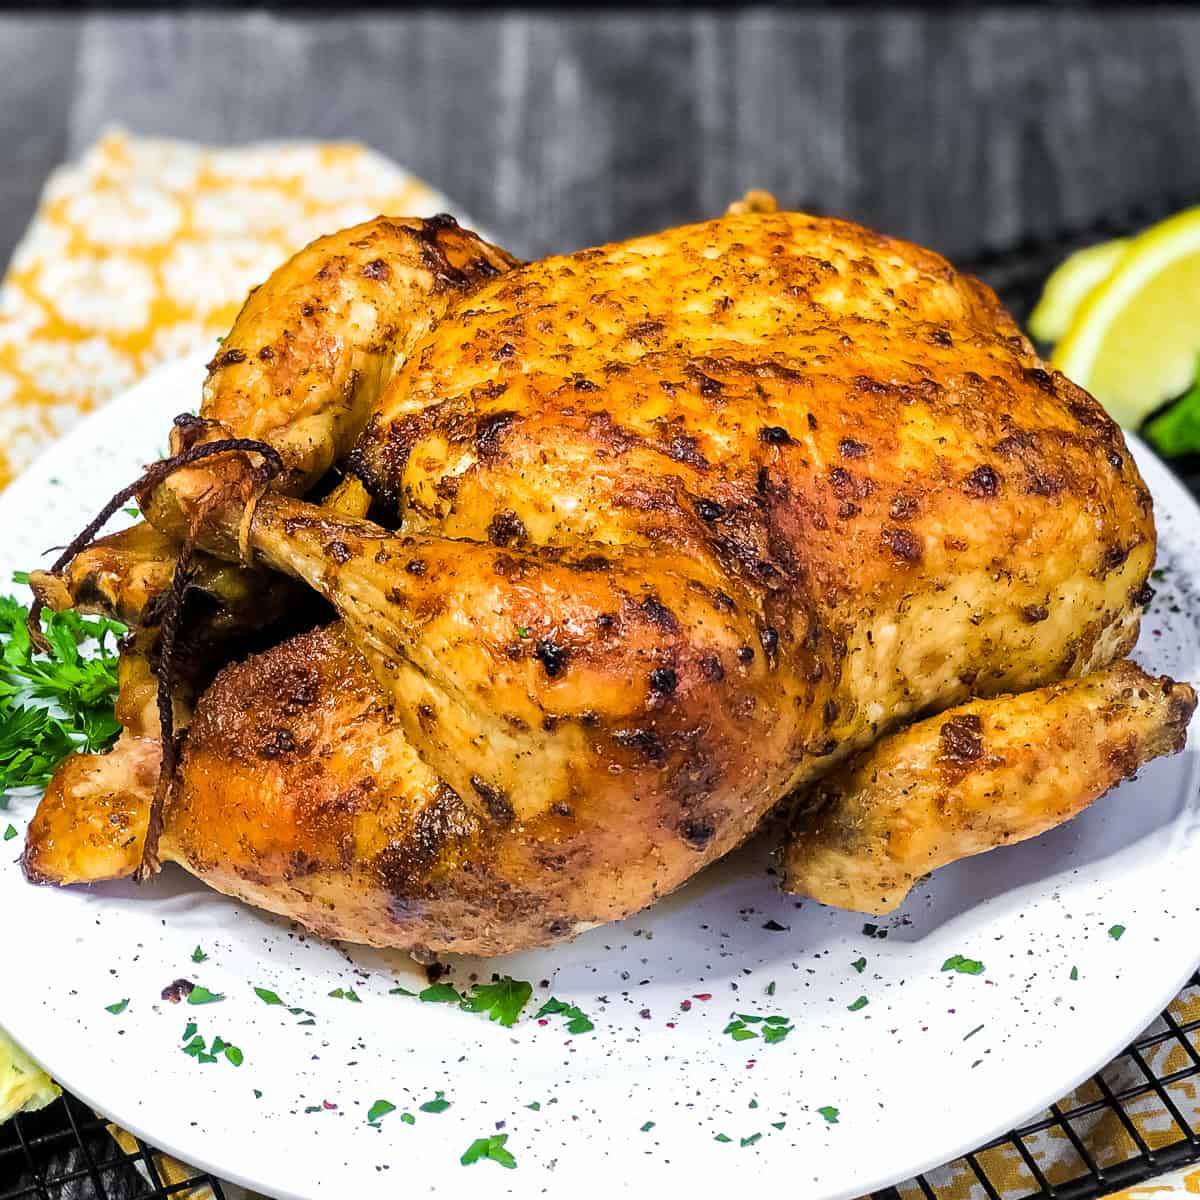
[{"x": 978, "y": 776}]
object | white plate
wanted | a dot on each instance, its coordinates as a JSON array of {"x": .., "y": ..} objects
[{"x": 912, "y": 1089}]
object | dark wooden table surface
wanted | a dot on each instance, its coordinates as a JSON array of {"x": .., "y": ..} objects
[{"x": 560, "y": 130}]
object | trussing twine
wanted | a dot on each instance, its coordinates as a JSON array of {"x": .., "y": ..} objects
[{"x": 154, "y": 475}]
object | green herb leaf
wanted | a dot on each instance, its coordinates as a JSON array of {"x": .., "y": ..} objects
[
  {"x": 1116, "y": 932},
  {"x": 775, "y": 1033},
  {"x": 502, "y": 1000},
  {"x": 778, "y": 1124},
  {"x": 346, "y": 994},
  {"x": 52, "y": 706},
  {"x": 1074, "y": 973},
  {"x": 438, "y": 1104},
  {"x": 1177, "y": 430},
  {"x": 535, "y": 1105},
  {"x": 201, "y": 995},
  {"x": 118, "y": 1008},
  {"x": 269, "y": 997},
  {"x": 829, "y": 1113},
  {"x": 647, "y": 1126},
  {"x": 860, "y": 965},
  {"x": 195, "y": 1047},
  {"x": 738, "y": 1031},
  {"x": 722, "y": 1137},
  {"x": 189, "y": 1031},
  {"x": 861, "y": 1002},
  {"x": 9, "y": 834},
  {"x": 577, "y": 1020},
  {"x": 408, "y": 1118},
  {"x": 400, "y": 991},
  {"x": 489, "y": 1147},
  {"x": 440, "y": 993},
  {"x": 964, "y": 966},
  {"x": 198, "y": 955},
  {"x": 749, "y": 1141},
  {"x": 379, "y": 1110},
  {"x": 234, "y": 1055}
]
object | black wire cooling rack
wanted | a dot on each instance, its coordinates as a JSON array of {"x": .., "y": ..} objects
[{"x": 67, "y": 1152}]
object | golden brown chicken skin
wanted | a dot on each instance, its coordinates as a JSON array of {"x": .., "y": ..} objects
[
  {"x": 977, "y": 776},
  {"x": 305, "y": 361},
  {"x": 664, "y": 530}
]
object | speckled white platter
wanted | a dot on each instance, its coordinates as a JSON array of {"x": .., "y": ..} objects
[{"x": 935, "y": 1063}]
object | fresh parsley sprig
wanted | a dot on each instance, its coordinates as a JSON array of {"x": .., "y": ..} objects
[{"x": 76, "y": 691}]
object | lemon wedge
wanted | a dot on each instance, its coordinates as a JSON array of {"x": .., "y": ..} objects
[
  {"x": 1133, "y": 340},
  {"x": 24, "y": 1086},
  {"x": 1069, "y": 284}
]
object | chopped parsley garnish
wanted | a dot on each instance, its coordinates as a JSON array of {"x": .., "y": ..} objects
[
  {"x": 132, "y": 511},
  {"x": 1074, "y": 973},
  {"x": 1116, "y": 932},
  {"x": 346, "y": 994},
  {"x": 738, "y": 1031},
  {"x": 722, "y": 1137},
  {"x": 195, "y": 1047},
  {"x": 861, "y": 1002},
  {"x": 201, "y": 995},
  {"x": 964, "y": 966},
  {"x": 522, "y": 632},
  {"x": 577, "y": 1020},
  {"x": 72, "y": 694},
  {"x": 859, "y": 964},
  {"x": 829, "y": 1113},
  {"x": 438, "y": 1104},
  {"x": 9, "y": 834},
  {"x": 778, "y": 1124},
  {"x": 771, "y": 988},
  {"x": 118, "y": 1008},
  {"x": 774, "y": 1028},
  {"x": 198, "y": 955},
  {"x": 489, "y": 1147},
  {"x": 753, "y": 1104},
  {"x": 647, "y": 1126},
  {"x": 267, "y": 996},
  {"x": 749, "y": 1141},
  {"x": 440, "y": 993},
  {"x": 378, "y": 1111},
  {"x": 972, "y": 1033},
  {"x": 408, "y": 1118},
  {"x": 400, "y": 991},
  {"x": 502, "y": 1000},
  {"x": 535, "y": 1105}
]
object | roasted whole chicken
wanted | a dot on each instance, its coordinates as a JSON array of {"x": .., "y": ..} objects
[{"x": 495, "y": 599}]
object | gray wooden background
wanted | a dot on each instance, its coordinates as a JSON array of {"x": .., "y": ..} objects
[{"x": 556, "y": 131}]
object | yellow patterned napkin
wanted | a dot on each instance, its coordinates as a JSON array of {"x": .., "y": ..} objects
[{"x": 145, "y": 250}]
